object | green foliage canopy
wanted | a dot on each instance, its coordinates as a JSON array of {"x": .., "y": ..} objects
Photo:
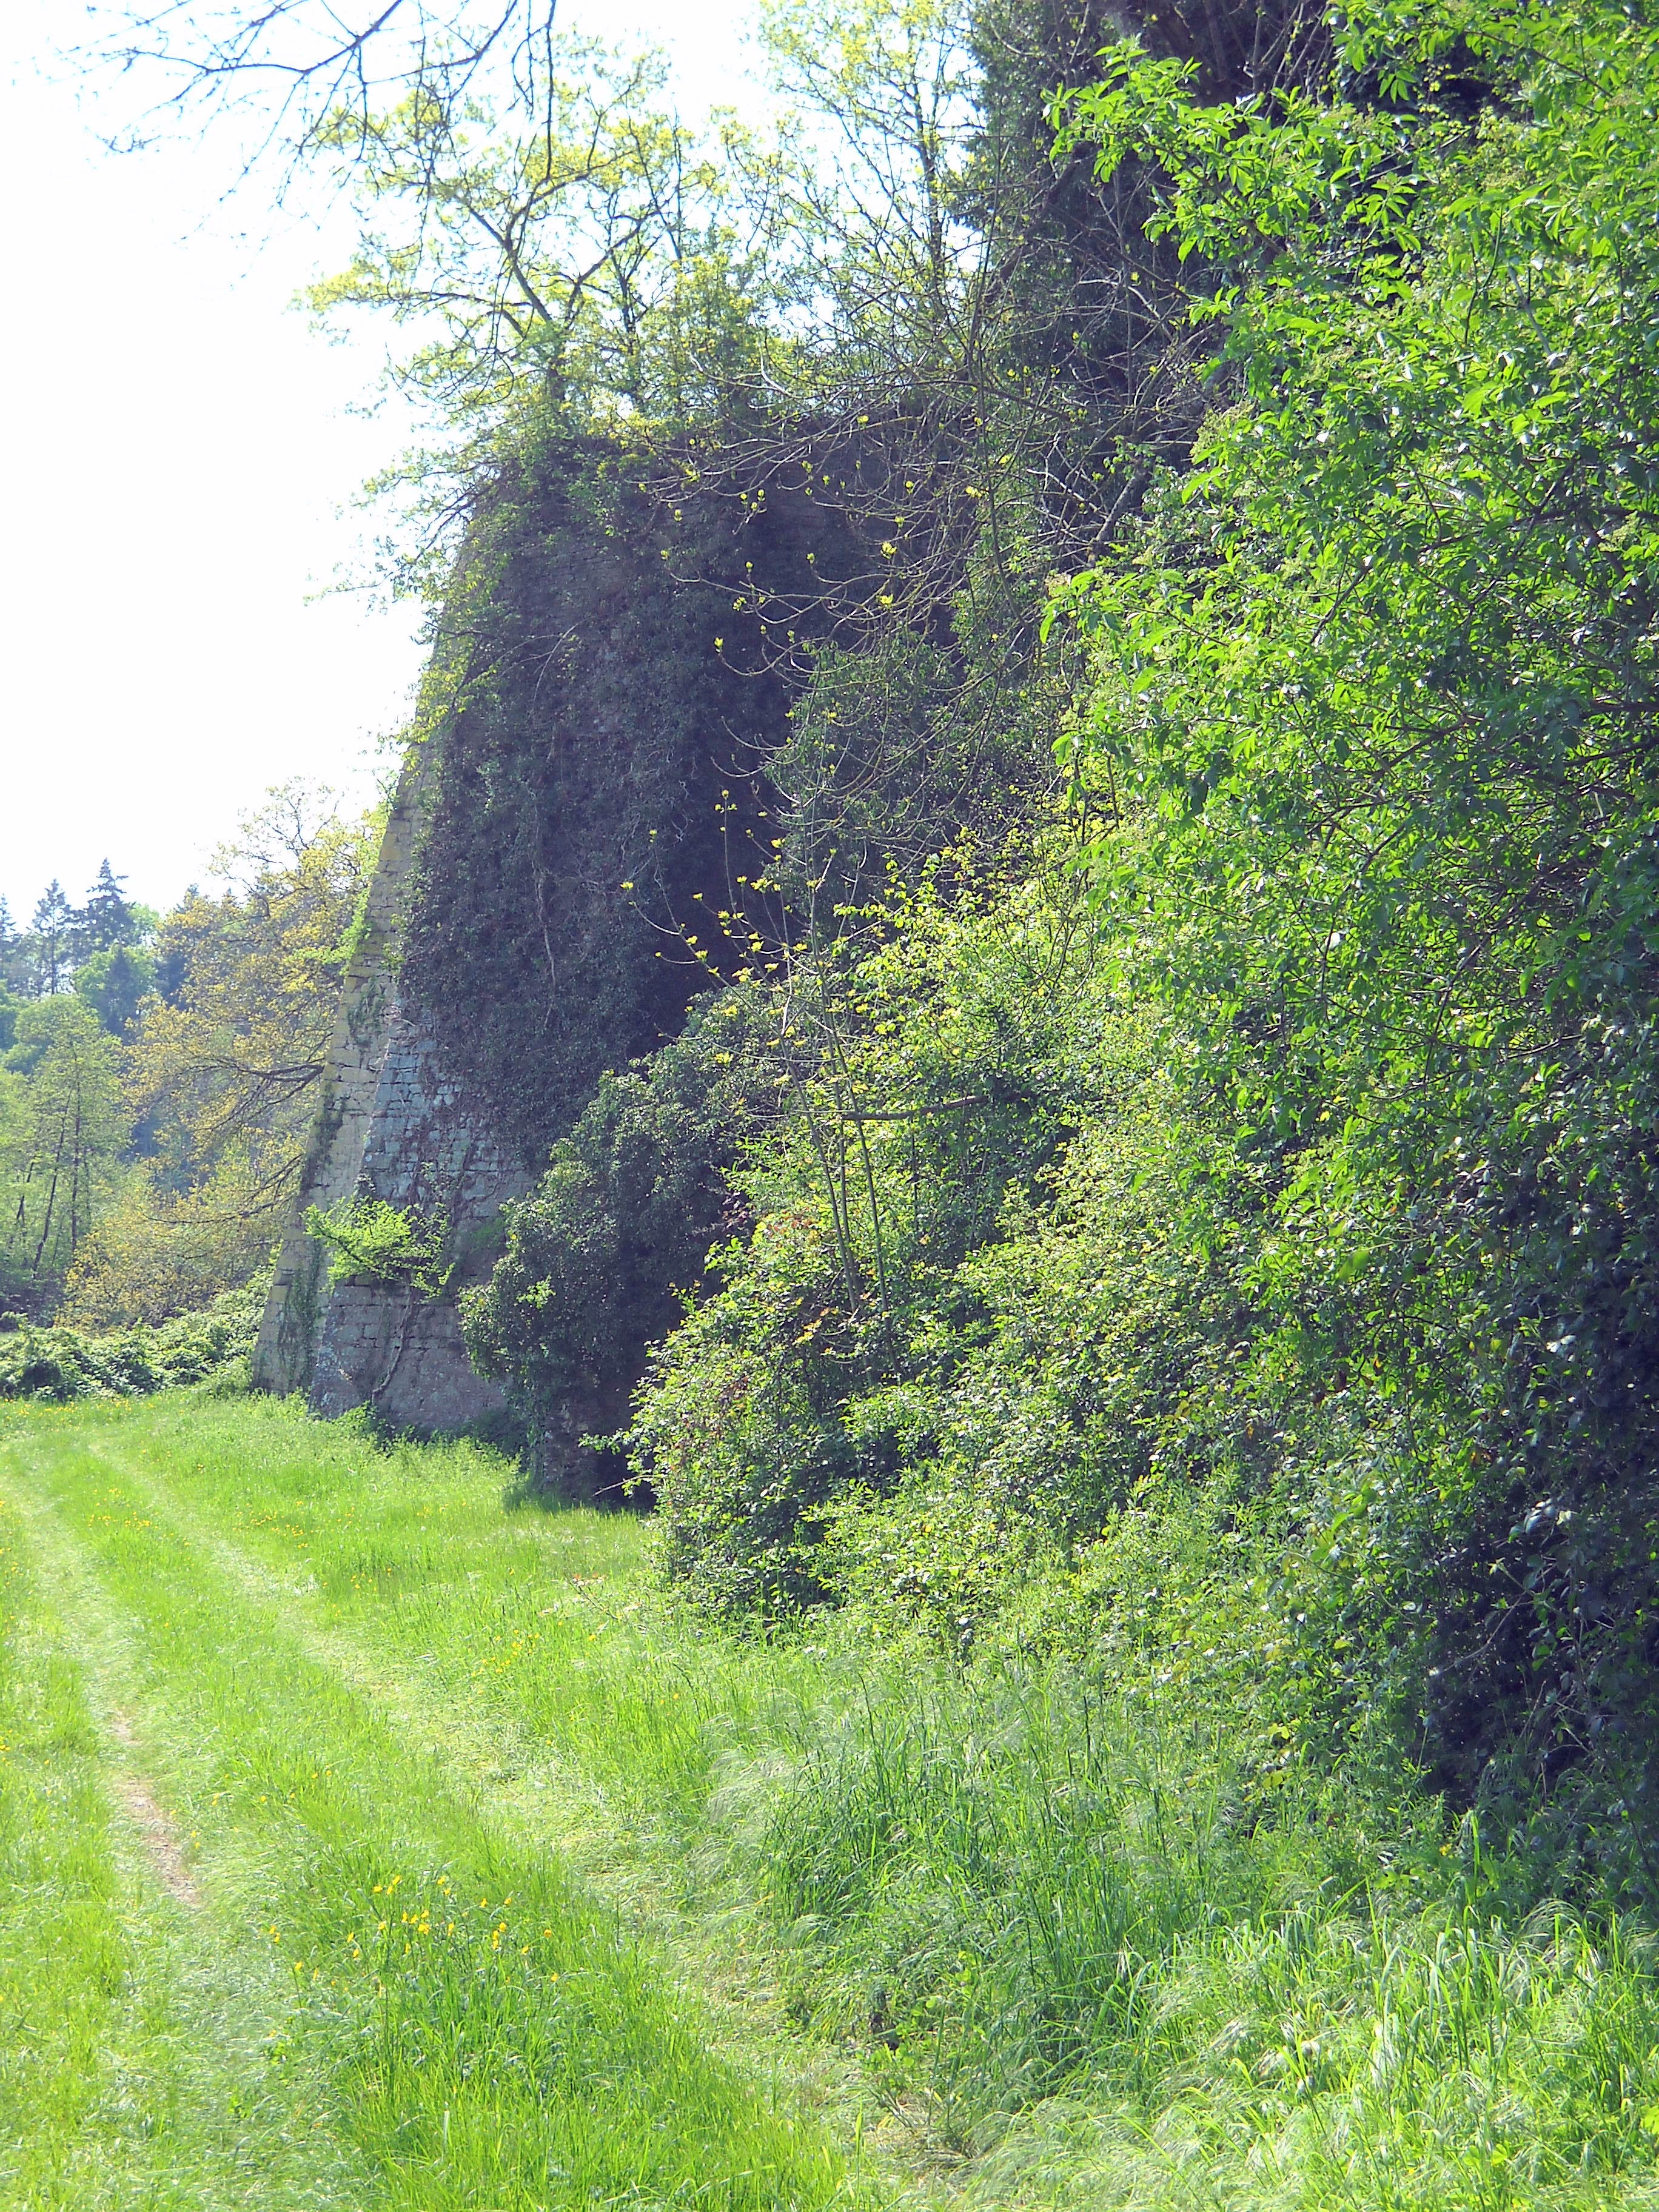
[{"x": 1374, "y": 703}]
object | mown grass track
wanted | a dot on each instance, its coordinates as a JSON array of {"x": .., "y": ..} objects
[{"x": 283, "y": 1916}]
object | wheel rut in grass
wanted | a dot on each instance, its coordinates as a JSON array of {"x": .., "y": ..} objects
[
  {"x": 179, "y": 2097},
  {"x": 159, "y": 1831},
  {"x": 527, "y": 1795}
]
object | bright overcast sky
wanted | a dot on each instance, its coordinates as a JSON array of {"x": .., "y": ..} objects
[{"x": 182, "y": 449}]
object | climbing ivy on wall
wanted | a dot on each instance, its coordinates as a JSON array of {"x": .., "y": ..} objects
[
  {"x": 601, "y": 780},
  {"x": 659, "y": 759}
]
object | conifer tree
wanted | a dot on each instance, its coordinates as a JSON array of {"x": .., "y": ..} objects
[
  {"x": 10, "y": 947},
  {"x": 115, "y": 984},
  {"x": 107, "y": 918},
  {"x": 53, "y": 927}
]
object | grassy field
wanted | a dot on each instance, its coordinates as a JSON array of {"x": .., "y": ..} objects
[
  {"x": 368, "y": 1836},
  {"x": 285, "y": 1917}
]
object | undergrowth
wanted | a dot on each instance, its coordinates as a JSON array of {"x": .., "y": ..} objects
[
  {"x": 55, "y": 1365},
  {"x": 1049, "y": 1915}
]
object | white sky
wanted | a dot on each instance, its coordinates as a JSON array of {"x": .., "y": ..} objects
[{"x": 179, "y": 453}]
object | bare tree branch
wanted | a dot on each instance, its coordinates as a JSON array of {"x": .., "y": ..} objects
[{"x": 294, "y": 69}]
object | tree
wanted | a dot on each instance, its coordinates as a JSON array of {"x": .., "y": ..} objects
[
  {"x": 53, "y": 927},
  {"x": 238, "y": 1054},
  {"x": 293, "y": 69},
  {"x": 8, "y": 973},
  {"x": 153, "y": 1252},
  {"x": 223, "y": 1070},
  {"x": 115, "y": 983},
  {"x": 17, "y": 967},
  {"x": 107, "y": 918},
  {"x": 63, "y": 1148},
  {"x": 572, "y": 265},
  {"x": 14, "y": 1113},
  {"x": 1373, "y": 707}
]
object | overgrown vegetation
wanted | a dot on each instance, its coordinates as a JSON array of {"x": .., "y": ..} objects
[
  {"x": 599, "y": 721},
  {"x": 56, "y": 1364},
  {"x": 1246, "y": 1261},
  {"x": 1047, "y": 800},
  {"x": 601, "y": 1257}
]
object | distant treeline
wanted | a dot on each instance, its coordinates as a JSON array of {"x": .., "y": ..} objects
[
  {"x": 99, "y": 949},
  {"x": 157, "y": 1073}
]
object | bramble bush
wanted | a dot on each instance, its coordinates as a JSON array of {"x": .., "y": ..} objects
[{"x": 852, "y": 1338}]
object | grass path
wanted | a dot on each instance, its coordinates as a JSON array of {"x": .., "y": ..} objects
[
  {"x": 285, "y": 1917},
  {"x": 370, "y": 1838}
]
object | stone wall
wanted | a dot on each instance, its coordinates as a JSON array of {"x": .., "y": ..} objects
[{"x": 390, "y": 1126}]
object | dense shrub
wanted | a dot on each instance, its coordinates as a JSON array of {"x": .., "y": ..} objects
[
  {"x": 55, "y": 1365},
  {"x": 601, "y": 1254},
  {"x": 949, "y": 1073},
  {"x": 1372, "y": 696}
]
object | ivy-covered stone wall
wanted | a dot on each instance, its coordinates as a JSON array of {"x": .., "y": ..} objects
[{"x": 586, "y": 779}]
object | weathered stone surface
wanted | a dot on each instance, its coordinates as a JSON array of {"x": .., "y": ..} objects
[{"x": 390, "y": 1126}]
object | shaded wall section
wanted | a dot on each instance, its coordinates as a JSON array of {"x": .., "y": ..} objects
[{"x": 392, "y": 1125}]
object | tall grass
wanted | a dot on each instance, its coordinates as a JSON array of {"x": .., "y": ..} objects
[{"x": 1294, "y": 1992}]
